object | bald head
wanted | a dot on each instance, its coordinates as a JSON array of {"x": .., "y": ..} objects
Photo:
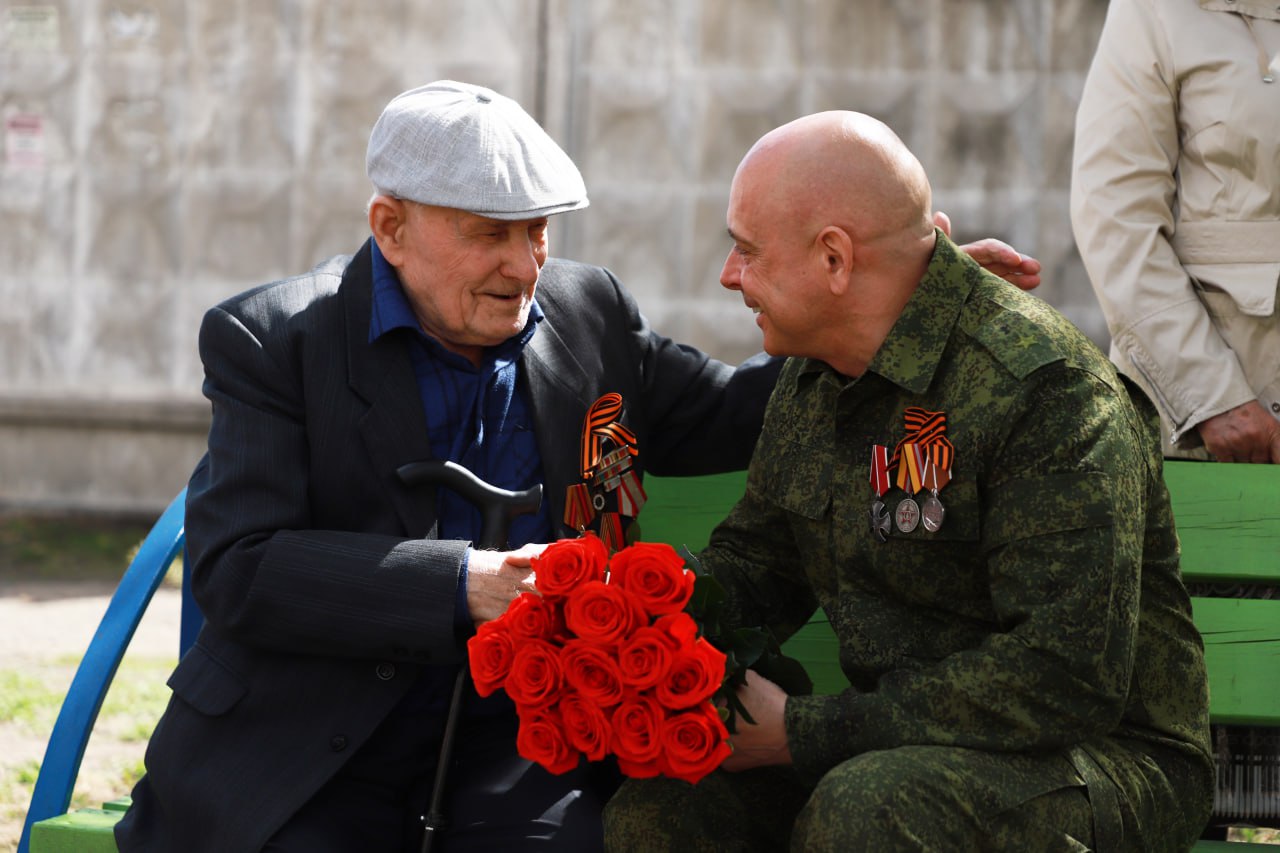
[
  {"x": 831, "y": 221},
  {"x": 841, "y": 168}
]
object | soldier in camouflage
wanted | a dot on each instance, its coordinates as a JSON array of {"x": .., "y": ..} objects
[{"x": 962, "y": 482}]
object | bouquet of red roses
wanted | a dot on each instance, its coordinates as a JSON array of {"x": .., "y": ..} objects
[{"x": 608, "y": 658}]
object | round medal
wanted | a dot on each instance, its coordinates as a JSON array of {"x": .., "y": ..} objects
[
  {"x": 907, "y": 515},
  {"x": 932, "y": 512}
]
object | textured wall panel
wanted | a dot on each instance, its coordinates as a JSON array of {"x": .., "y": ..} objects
[{"x": 157, "y": 156}]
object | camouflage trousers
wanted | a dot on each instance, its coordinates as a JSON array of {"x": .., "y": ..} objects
[{"x": 909, "y": 798}]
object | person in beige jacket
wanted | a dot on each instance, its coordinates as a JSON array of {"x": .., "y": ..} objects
[{"x": 1175, "y": 204}]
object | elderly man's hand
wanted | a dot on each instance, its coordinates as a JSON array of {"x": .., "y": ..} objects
[
  {"x": 998, "y": 257},
  {"x": 765, "y": 742},
  {"x": 1246, "y": 433},
  {"x": 495, "y": 578}
]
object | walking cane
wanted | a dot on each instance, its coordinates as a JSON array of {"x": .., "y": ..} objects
[{"x": 497, "y": 508}]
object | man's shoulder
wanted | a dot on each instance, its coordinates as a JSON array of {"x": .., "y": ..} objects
[
  {"x": 567, "y": 288},
  {"x": 559, "y": 273},
  {"x": 303, "y": 288},
  {"x": 1024, "y": 333},
  {"x": 305, "y": 301}
]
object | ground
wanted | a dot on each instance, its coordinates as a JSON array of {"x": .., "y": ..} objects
[
  {"x": 56, "y": 576},
  {"x": 47, "y": 627}
]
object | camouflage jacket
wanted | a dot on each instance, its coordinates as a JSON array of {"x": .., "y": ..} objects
[{"x": 1046, "y": 612}]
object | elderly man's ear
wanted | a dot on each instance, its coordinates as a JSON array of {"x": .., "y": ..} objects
[{"x": 387, "y": 222}]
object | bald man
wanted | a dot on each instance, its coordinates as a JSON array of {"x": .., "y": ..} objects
[{"x": 962, "y": 482}]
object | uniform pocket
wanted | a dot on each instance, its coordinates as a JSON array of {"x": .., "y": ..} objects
[{"x": 801, "y": 482}]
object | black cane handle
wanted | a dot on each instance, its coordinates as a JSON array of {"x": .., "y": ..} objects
[{"x": 497, "y": 506}]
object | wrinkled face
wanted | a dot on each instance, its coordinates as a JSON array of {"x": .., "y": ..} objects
[
  {"x": 470, "y": 279},
  {"x": 770, "y": 264}
]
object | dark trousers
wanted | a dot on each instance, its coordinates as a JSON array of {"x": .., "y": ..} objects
[{"x": 496, "y": 800}]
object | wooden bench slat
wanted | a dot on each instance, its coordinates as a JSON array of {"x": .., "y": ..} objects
[
  {"x": 82, "y": 831},
  {"x": 1242, "y": 653},
  {"x": 1231, "y": 533}
]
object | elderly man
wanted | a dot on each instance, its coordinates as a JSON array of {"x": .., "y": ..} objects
[
  {"x": 337, "y": 596},
  {"x": 974, "y": 497}
]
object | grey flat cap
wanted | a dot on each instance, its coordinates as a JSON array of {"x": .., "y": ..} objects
[{"x": 467, "y": 147}]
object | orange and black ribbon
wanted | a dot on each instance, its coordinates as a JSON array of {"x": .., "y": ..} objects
[
  {"x": 924, "y": 455},
  {"x": 601, "y": 423}
]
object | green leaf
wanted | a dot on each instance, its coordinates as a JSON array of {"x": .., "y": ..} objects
[
  {"x": 748, "y": 645},
  {"x": 705, "y": 604},
  {"x": 736, "y": 709},
  {"x": 787, "y": 673},
  {"x": 691, "y": 561}
]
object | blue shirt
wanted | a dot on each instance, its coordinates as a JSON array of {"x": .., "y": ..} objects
[{"x": 476, "y": 415}]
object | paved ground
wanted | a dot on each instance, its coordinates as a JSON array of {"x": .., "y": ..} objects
[{"x": 44, "y": 629}]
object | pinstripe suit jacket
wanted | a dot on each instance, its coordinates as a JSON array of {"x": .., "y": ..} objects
[{"x": 323, "y": 587}]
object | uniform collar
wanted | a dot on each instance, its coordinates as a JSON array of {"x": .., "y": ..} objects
[{"x": 911, "y": 352}]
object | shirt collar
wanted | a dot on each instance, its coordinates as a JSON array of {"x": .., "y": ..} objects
[{"x": 391, "y": 310}]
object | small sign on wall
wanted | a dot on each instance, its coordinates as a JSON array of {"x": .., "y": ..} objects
[
  {"x": 32, "y": 28},
  {"x": 24, "y": 141}
]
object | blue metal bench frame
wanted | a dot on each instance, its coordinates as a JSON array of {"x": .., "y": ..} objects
[{"x": 62, "y": 757}]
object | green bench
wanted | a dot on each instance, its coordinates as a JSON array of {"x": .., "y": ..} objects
[{"x": 1229, "y": 523}]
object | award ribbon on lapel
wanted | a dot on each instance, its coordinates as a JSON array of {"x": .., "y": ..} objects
[
  {"x": 605, "y": 460},
  {"x": 879, "y": 485},
  {"x": 924, "y": 457},
  {"x": 601, "y": 422}
]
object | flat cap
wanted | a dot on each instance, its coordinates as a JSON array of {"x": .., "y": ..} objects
[{"x": 466, "y": 147}]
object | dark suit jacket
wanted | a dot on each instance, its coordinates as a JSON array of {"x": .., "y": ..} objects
[{"x": 322, "y": 586}]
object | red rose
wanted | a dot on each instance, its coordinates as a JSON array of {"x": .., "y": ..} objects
[
  {"x": 696, "y": 672},
  {"x": 531, "y": 617},
  {"x": 592, "y": 671},
  {"x": 585, "y": 725},
  {"x": 693, "y": 743},
  {"x": 568, "y": 563},
  {"x": 679, "y": 627},
  {"x": 637, "y": 735},
  {"x": 490, "y": 653},
  {"x": 655, "y": 574},
  {"x": 534, "y": 679},
  {"x": 645, "y": 657},
  {"x": 602, "y": 613},
  {"x": 541, "y": 738}
]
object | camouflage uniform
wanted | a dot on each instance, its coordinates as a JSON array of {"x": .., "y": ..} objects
[{"x": 1036, "y": 648}]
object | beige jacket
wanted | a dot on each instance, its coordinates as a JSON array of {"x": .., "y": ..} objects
[{"x": 1175, "y": 202}]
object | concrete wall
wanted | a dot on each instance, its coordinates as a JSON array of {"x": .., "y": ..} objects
[{"x": 159, "y": 155}]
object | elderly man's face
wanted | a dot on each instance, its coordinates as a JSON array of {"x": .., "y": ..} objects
[{"x": 470, "y": 279}]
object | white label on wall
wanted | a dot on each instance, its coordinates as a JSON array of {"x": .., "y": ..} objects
[{"x": 33, "y": 28}]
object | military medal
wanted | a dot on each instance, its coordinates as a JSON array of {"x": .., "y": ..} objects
[
  {"x": 910, "y": 468},
  {"x": 579, "y": 509},
  {"x": 607, "y": 451},
  {"x": 923, "y": 458},
  {"x": 879, "y": 485},
  {"x": 907, "y": 515},
  {"x": 932, "y": 512}
]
